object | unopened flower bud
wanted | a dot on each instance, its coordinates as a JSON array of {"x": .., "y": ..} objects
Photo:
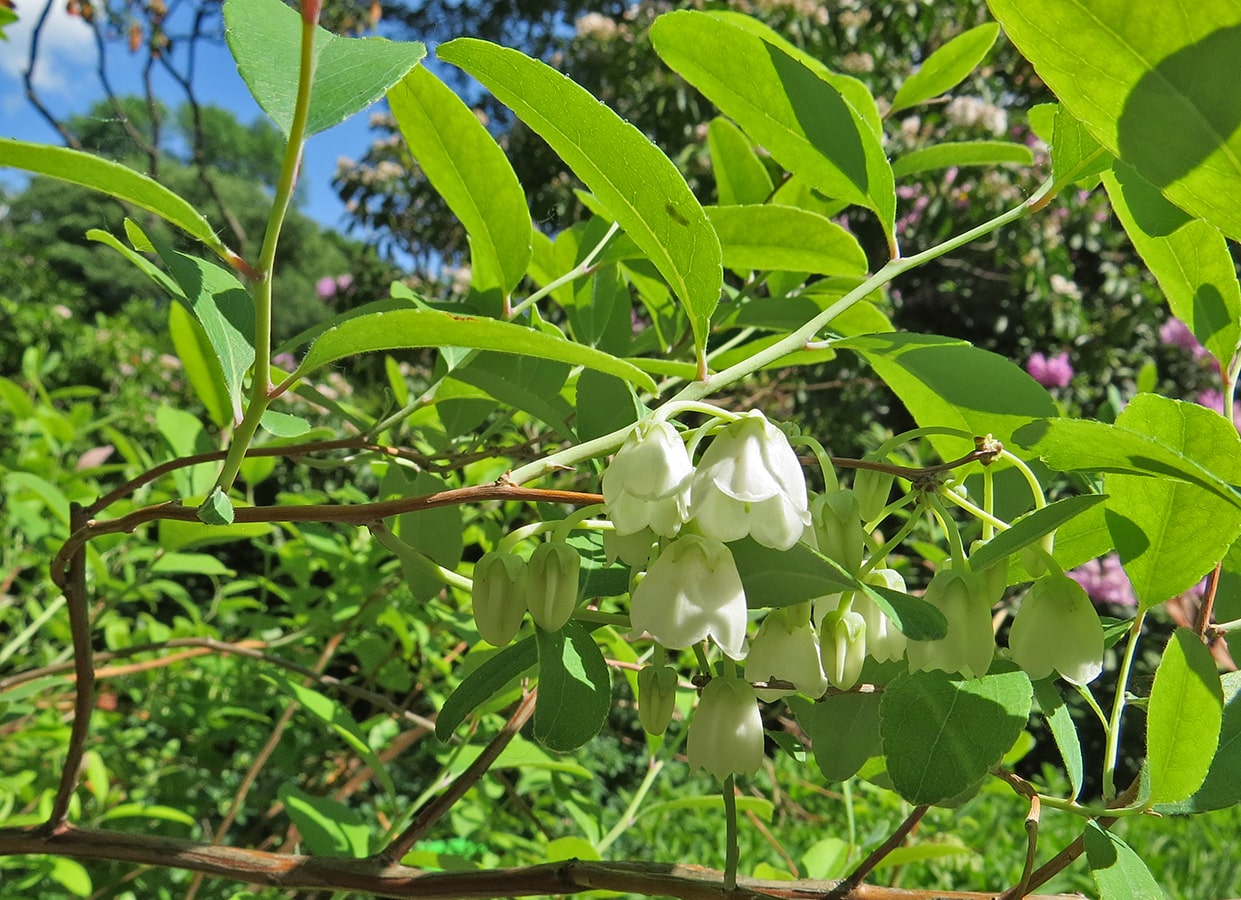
[
  {"x": 657, "y": 696},
  {"x": 499, "y": 596},
  {"x": 552, "y": 587},
  {"x": 842, "y": 639},
  {"x": 726, "y": 735},
  {"x": 1057, "y": 629},
  {"x": 995, "y": 575},
  {"x": 872, "y": 489},
  {"x": 969, "y": 645},
  {"x": 838, "y": 528}
]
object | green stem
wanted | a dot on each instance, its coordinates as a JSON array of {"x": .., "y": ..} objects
[
  {"x": 977, "y": 512},
  {"x": 630, "y": 815},
  {"x": 957, "y": 546},
  {"x": 579, "y": 271},
  {"x": 732, "y": 849},
  {"x": 261, "y": 289},
  {"x": 1112, "y": 751},
  {"x": 889, "y": 545},
  {"x": 1084, "y": 690},
  {"x": 413, "y": 557}
]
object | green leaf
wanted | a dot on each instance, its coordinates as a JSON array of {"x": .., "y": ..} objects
[
  {"x": 962, "y": 153},
  {"x": 70, "y": 874},
  {"x": 916, "y": 853},
  {"x": 1118, "y": 872},
  {"x": 783, "y": 237},
  {"x": 190, "y": 563},
  {"x": 740, "y": 176},
  {"x": 154, "y": 812},
  {"x": 174, "y": 535},
  {"x": 1188, "y": 257},
  {"x": 1075, "y": 154},
  {"x": 283, "y": 424},
  {"x": 942, "y": 733},
  {"x": 575, "y": 691},
  {"x": 628, "y": 174},
  {"x": 115, "y": 180},
  {"x": 1078, "y": 445},
  {"x": 434, "y": 533},
  {"x": 1030, "y": 527},
  {"x": 1139, "y": 73},
  {"x": 1183, "y": 718},
  {"x": 1222, "y": 786},
  {"x": 338, "y": 719},
  {"x": 800, "y": 117},
  {"x": 604, "y": 404},
  {"x": 1157, "y": 524},
  {"x": 265, "y": 37},
  {"x": 524, "y": 383},
  {"x": 432, "y": 328},
  {"x": 201, "y": 365},
  {"x": 489, "y": 679},
  {"x": 948, "y": 382},
  {"x": 946, "y": 67},
  {"x": 466, "y": 166},
  {"x": 327, "y": 827},
  {"x": 217, "y": 509},
  {"x": 843, "y": 731},
  {"x": 1060, "y": 720},
  {"x": 224, "y": 309}
]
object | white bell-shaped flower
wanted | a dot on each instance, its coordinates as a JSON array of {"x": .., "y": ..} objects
[
  {"x": 969, "y": 645},
  {"x": 786, "y": 648},
  {"x": 726, "y": 734},
  {"x": 884, "y": 641},
  {"x": 1057, "y": 630},
  {"x": 749, "y": 481},
  {"x": 692, "y": 592},
  {"x": 647, "y": 483}
]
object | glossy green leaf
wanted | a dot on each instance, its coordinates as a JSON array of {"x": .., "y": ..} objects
[
  {"x": 638, "y": 184},
  {"x": 327, "y": 827},
  {"x": 1188, "y": 257},
  {"x": 1118, "y": 872},
  {"x": 802, "y": 119},
  {"x": 604, "y": 404},
  {"x": 1030, "y": 527},
  {"x": 941, "y": 733},
  {"x": 575, "y": 691},
  {"x": 190, "y": 564},
  {"x": 1158, "y": 524},
  {"x": 1183, "y": 718},
  {"x": 769, "y": 237},
  {"x": 174, "y": 535},
  {"x": 946, "y": 67},
  {"x": 962, "y": 153},
  {"x": 265, "y": 37},
  {"x": 434, "y": 533},
  {"x": 740, "y": 176},
  {"x": 1138, "y": 73},
  {"x": 432, "y": 328},
  {"x": 843, "y": 731},
  {"x": 916, "y": 853},
  {"x": 466, "y": 166},
  {"x": 522, "y": 382},
  {"x": 1079, "y": 445},
  {"x": 283, "y": 424},
  {"x": 947, "y": 382},
  {"x": 1056, "y": 713},
  {"x": 775, "y": 578},
  {"x": 115, "y": 180},
  {"x": 68, "y": 873},
  {"x": 493, "y": 676},
  {"x": 1222, "y": 786}
]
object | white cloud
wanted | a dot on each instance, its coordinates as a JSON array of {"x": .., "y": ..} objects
[{"x": 66, "y": 47}]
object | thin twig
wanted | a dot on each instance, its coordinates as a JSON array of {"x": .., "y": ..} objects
[
  {"x": 436, "y": 809},
  {"x": 866, "y": 866}
]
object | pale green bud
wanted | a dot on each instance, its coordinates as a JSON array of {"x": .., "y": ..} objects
[
  {"x": 842, "y": 639},
  {"x": 499, "y": 596},
  {"x": 838, "y": 528},
  {"x": 657, "y": 696},
  {"x": 1057, "y": 629},
  {"x": 552, "y": 587},
  {"x": 872, "y": 489},
  {"x": 969, "y": 645}
]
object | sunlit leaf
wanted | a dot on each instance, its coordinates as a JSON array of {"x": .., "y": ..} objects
[
  {"x": 1183, "y": 718},
  {"x": 946, "y": 67}
]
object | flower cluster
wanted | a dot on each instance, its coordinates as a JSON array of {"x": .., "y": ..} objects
[{"x": 1053, "y": 371}]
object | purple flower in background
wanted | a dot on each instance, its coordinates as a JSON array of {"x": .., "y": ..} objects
[
  {"x": 1175, "y": 333},
  {"x": 1213, "y": 399},
  {"x": 325, "y": 287},
  {"x": 1105, "y": 581},
  {"x": 1052, "y": 371},
  {"x": 344, "y": 282}
]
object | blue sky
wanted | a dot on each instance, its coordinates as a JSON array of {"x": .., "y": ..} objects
[{"x": 67, "y": 83}]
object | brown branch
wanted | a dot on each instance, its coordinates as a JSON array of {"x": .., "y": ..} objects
[
  {"x": 368, "y": 876},
  {"x": 84, "y": 665},
  {"x": 355, "y": 514},
  {"x": 866, "y": 866},
  {"x": 436, "y": 809},
  {"x": 36, "y": 34}
]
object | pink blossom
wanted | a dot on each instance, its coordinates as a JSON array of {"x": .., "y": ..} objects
[
  {"x": 325, "y": 287},
  {"x": 1105, "y": 581},
  {"x": 1175, "y": 333},
  {"x": 1055, "y": 371}
]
